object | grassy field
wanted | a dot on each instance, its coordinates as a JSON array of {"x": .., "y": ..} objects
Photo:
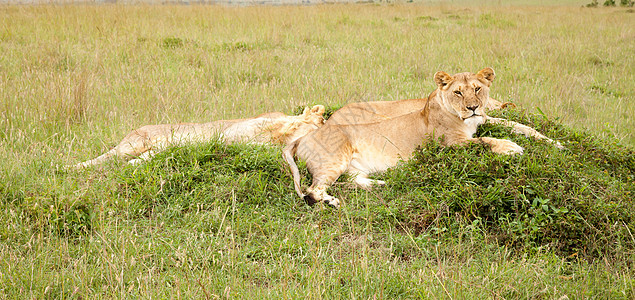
[{"x": 212, "y": 221}]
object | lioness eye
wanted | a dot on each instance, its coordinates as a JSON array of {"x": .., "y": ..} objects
[
  {"x": 477, "y": 89},
  {"x": 458, "y": 93}
]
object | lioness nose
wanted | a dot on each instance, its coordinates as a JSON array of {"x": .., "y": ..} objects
[{"x": 473, "y": 107}]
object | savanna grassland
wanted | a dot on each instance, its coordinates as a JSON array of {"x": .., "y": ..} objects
[{"x": 217, "y": 221}]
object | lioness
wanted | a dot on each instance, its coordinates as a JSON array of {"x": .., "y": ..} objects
[
  {"x": 451, "y": 114},
  {"x": 275, "y": 127},
  {"x": 374, "y": 111}
]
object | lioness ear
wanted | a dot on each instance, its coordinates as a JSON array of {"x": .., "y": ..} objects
[
  {"x": 442, "y": 79},
  {"x": 318, "y": 109},
  {"x": 487, "y": 74}
]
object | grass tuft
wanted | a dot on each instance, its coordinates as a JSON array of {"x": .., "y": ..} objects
[{"x": 171, "y": 42}]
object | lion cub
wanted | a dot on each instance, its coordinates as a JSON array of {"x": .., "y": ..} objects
[
  {"x": 141, "y": 144},
  {"x": 451, "y": 114}
]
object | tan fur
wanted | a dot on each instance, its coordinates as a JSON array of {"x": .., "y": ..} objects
[
  {"x": 141, "y": 144},
  {"x": 392, "y": 132},
  {"x": 368, "y": 112}
]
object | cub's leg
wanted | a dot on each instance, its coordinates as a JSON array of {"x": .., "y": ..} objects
[
  {"x": 325, "y": 170},
  {"x": 362, "y": 180},
  {"x": 322, "y": 179},
  {"x": 499, "y": 145},
  {"x": 524, "y": 130}
]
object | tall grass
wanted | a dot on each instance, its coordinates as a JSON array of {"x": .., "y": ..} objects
[
  {"x": 73, "y": 70},
  {"x": 214, "y": 221}
]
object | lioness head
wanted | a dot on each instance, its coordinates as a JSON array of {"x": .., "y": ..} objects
[{"x": 465, "y": 94}]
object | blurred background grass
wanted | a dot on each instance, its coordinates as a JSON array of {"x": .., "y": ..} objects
[{"x": 89, "y": 74}]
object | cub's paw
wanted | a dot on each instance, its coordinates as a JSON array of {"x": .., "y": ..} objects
[
  {"x": 332, "y": 202},
  {"x": 329, "y": 200}
]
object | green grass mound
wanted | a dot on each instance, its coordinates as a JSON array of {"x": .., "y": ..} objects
[{"x": 575, "y": 202}]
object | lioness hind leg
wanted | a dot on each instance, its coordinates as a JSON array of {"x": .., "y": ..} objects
[
  {"x": 493, "y": 104},
  {"x": 143, "y": 157},
  {"x": 95, "y": 161},
  {"x": 325, "y": 167}
]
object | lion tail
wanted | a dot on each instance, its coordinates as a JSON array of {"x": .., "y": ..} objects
[{"x": 288, "y": 154}]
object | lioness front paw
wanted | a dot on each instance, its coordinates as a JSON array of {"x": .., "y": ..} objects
[{"x": 506, "y": 147}]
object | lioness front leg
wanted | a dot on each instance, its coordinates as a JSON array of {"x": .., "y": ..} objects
[
  {"x": 499, "y": 145},
  {"x": 524, "y": 130}
]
